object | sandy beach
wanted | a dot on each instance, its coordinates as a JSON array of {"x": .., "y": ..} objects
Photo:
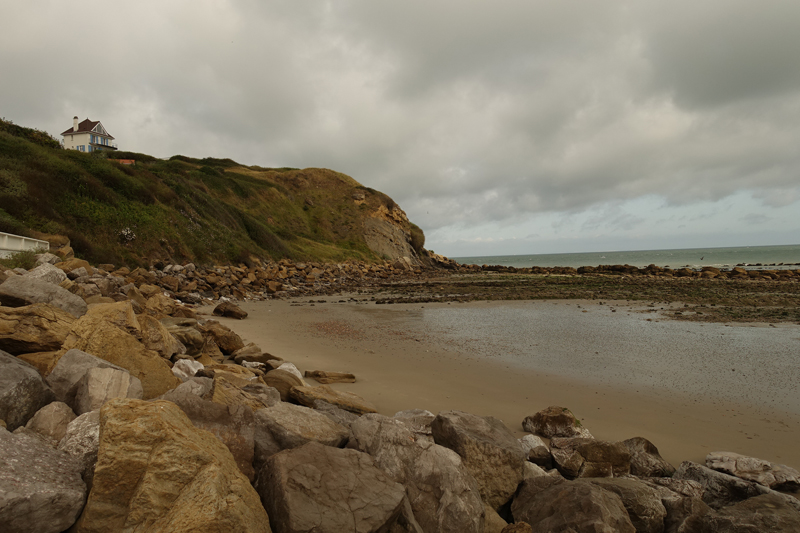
[{"x": 623, "y": 369}]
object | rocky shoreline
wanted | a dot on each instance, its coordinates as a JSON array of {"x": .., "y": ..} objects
[{"x": 125, "y": 409}]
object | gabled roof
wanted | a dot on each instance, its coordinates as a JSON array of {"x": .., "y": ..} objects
[{"x": 86, "y": 127}]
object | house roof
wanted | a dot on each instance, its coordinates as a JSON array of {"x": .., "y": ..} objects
[{"x": 86, "y": 127}]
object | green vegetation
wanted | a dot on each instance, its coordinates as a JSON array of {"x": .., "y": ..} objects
[
  {"x": 183, "y": 209},
  {"x": 25, "y": 259}
]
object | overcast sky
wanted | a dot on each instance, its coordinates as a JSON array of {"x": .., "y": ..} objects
[{"x": 508, "y": 127}]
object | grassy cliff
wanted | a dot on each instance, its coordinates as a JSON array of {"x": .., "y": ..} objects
[{"x": 203, "y": 210}]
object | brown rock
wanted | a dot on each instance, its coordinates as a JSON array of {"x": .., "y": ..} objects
[
  {"x": 517, "y": 527},
  {"x": 344, "y": 400},
  {"x": 44, "y": 362},
  {"x": 227, "y": 340},
  {"x": 283, "y": 381},
  {"x": 555, "y": 422},
  {"x": 230, "y": 310},
  {"x": 330, "y": 377},
  {"x": 156, "y": 337},
  {"x": 233, "y": 425},
  {"x": 645, "y": 459},
  {"x": 33, "y": 328},
  {"x": 94, "y": 335},
  {"x": 156, "y": 472},
  {"x": 229, "y": 390},
  {"x": 643, "y": 503}
]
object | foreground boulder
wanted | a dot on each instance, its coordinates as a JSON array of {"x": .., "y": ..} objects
[
  {"x": 572, "y": 507},
  {"x": 19, "y": 291},
  {"x": 444, "y": 496},
  {"x": 316, "y": 488},
  {"x": 772, "y": 475},
  {"x": 760, "y": 514},
  {"x": 41, "y": 490},
  {"x": 33, "y": 328},
  {"x": 22, "y": 391},
  {"x": 156, "y": 472},
  {"x": 232, "y": 424},
  {"x": 284, "y": 426},
  {"x": 642, "y": 503},
  {"x": 489, "y": 450},
  {"x": 722, "y": 490}
]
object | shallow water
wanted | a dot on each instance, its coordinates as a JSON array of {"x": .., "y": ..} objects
[{"x": 745, "y": 364}]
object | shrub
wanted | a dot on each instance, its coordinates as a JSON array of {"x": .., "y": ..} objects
[
  {"x": 417, "y": 238},
  {"x": 25, "y": 259}
]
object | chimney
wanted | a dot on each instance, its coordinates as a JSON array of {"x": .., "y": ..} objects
[{"x": 75, "y": 124}]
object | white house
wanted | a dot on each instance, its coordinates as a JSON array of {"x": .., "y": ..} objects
[{"x": 87, "y": 136}]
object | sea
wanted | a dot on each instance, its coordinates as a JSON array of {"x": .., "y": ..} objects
[{"x": 751, "y": 257}]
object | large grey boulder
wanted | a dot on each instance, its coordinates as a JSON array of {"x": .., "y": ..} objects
[
  {"x": 681, "y": 498},
  {"x": 100, "y": 385},
  {"x": 328, "y": 490},
  {"x": 18, "y": 291},
  {"x": 70, "y": 369},
  {"x": 489, "y": 450},
  {"x": 81, "y": 441},
  {"x": 573, "y": 507},
  {"x": 418, "y": 421},
  {"x": 233, "y": 424},
  {"x": 41, "y": 490},
  {"x": 645, "y": 459},
  {"x": 22, "y": 391},
  {"x": 336, "y": 414},
  {"x": 722, "y": 490},
  {"x": 444, "y": 496},
  {"x": 772, "y": 475},
  {"x": 47, "y": 272},
  {"x": 643, "y": 503},
  {"x": 51, "y": 421},
  {"x": 284, "y": 426},
  {"x": 555, "y": 422},
  {"x": 767, "y": 513}
]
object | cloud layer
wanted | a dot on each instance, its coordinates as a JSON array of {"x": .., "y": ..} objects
[{"x": 513, "y": 127}]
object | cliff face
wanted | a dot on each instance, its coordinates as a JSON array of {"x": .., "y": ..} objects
[{"x": 202, "y": 210}]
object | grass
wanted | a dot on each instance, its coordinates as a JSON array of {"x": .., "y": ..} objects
[{"x": 183, "y": 209}]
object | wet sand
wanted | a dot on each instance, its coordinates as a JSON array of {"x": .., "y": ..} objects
[{"x": 625, "y": 371}]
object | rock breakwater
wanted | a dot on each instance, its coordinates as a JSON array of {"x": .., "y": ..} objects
[{"x": 140, "y": 413}]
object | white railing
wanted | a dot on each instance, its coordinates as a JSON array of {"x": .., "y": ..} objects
[{"x": 10, "y": 244}]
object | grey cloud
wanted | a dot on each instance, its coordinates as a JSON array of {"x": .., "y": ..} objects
[{"x": 467, "y": 113}]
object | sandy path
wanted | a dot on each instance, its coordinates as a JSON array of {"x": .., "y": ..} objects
[{"x": 406, "y": 359}]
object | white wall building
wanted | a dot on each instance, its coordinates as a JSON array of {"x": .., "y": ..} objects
[{"x": 88, "y": 136}]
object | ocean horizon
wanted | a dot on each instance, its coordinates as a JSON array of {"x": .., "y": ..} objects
[{"x": 776, "y": 257}]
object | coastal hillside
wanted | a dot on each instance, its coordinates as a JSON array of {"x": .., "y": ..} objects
[{"x": 186, "y": 209}]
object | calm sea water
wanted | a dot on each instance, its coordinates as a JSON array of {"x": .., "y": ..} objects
[{"x": 786, "y": 256}]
